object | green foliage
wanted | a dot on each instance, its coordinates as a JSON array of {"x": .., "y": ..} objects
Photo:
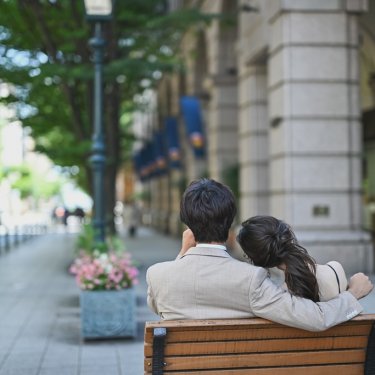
[
  {"x": 86, "y": 240},
  {"x": 127, "y": 139},
  {"x": 30, "y": 182},
  {"x": 45, "y": 57},
  {"x": 86, "y": 243},
  {"x": 44, "y": 54}
]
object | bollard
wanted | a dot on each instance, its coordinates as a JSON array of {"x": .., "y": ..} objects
[
  {"x": 16, "y": 239},
  {"x": 7, "y": 242}
]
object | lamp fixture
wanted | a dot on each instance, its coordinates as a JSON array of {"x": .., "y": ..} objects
[{"x": 98, "y": 10}]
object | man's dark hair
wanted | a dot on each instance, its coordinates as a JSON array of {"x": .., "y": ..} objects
[{"x": 208, "y": 209}]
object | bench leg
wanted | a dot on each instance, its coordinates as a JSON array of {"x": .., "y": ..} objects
[{"x": 370, "y": 353}]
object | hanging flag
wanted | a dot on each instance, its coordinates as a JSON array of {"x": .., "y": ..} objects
[
  {"x": 137, "y": 163},
  {"x": 191, "y": 112},
  {"x": 140, "y": 164},
  {"x": 173, "y": 143},
  {"x": 159, "y": 153},
  {"x": 144, "y": 167},
  {"x": 151, "y": 160}
]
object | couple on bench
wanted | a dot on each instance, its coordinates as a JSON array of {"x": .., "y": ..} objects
[{"x": 205, "y": 282}]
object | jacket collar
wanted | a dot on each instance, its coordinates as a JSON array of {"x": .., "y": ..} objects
[{"x": 207, "y": 251}]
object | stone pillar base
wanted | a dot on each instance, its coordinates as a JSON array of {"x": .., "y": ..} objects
[{"x": 353, "y": 249}]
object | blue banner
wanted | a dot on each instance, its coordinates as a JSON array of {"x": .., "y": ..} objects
[
  {"x": 160, "y": 160},
  {"x": 150, "y": 160},
  {"x": 137, "y": 163},
  {"x": 173, "y": 142},
  {"x": 191, "y": 112}
]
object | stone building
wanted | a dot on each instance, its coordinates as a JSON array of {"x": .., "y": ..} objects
[{"x": 286, "y": 91}]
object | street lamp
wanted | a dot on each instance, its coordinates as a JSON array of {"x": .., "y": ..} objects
[{"x": 98, "y": 11}]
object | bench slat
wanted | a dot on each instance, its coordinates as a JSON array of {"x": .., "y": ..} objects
[
  {"x": 262, "y": 360},
  {"x": 353, "y": 369},
  {"x": 208, "y": 323},
  {"x": 178, "y": 334},
  {"x": 259, "y": 346}
]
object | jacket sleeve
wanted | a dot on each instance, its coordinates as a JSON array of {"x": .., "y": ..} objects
[
  {"x": 269, "y": 301},
  {"x": 150, "y": 296}
]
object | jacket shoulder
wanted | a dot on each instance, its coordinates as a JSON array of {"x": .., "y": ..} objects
[{"x": 159, "y": 267}]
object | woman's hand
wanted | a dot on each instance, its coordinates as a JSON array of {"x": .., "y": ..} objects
[{"x": 360, "y": 285}]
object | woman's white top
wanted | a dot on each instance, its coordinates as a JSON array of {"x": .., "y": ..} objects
[{"x": 330, "y": 276}]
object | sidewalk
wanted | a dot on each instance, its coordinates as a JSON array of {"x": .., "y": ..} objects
[{"x": 39, "y": 310}]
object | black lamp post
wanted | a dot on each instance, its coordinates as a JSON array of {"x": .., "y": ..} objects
[{"x": 98, "y": 11}]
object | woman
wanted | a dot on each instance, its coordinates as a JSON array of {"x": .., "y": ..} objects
[{"x": 269, "y": 242}]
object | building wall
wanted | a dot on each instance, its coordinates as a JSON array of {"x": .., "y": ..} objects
[
  {"x": 300, "y": 124},
  {"x": 280, "y": 97},
  {"x": 210, "y": 62},
  {"x": 221, "y": 87},
  {"x": 253, "y": 113}
]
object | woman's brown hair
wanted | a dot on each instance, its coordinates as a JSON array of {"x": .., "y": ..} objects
[{"x": 270, "y": 242}]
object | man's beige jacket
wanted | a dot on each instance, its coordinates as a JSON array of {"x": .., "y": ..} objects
[{"x": 207, "y": 283}]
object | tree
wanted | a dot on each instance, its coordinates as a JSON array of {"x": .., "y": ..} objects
[
  {"x": 44, "y": 56},
  {"x": 31, "y": 182}
]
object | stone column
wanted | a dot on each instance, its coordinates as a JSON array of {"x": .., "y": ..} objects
[
  {"x": 222, "y": 126},
  {"x": 221, "y": 86},
  {"x": 315, "y": 137},
  {"x": 176, "y": 176},
  {"x": 194, "y": 51},
  {"x": 253, "y": 142}
]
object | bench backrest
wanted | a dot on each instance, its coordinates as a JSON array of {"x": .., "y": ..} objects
[{"x": 258, "y": 346}]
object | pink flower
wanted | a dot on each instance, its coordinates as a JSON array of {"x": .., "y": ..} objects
[{"x": 104, "y": 271}]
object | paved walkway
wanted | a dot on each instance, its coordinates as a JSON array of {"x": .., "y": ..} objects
[{"x": 39, "y": 310}]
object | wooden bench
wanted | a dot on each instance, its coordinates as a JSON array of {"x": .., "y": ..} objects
[{"x": 258, "y": 346}]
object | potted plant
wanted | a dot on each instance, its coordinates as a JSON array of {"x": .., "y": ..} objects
[{"x": 106, "y": 276}]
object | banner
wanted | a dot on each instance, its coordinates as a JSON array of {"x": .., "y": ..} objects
[
  {"x": 191, "y": 112},
  {"x": 160, "y": 161},
  {"x": 173, "y": 142},
  {"x": 137, "y": 163}
]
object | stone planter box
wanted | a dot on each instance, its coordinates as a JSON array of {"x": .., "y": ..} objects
[{"x": 106, "y": 314}]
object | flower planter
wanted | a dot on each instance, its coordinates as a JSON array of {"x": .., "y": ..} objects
[{"x": 106, "y": 314}]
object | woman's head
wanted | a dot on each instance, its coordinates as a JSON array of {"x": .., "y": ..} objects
[
  {"x": 270, "y": 242},
  {"x": 265, "y": 240}
]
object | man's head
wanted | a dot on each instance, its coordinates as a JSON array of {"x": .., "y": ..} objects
[{"x": 208, "y": 209}]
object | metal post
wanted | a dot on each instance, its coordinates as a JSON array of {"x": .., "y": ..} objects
[
  {"x": 16, "y": 239},
  {"x": 98, "y": 158},
  {"x": 7, "y": 240}
]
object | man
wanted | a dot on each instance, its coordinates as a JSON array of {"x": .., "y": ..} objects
[{"x": 205, "y": 282}]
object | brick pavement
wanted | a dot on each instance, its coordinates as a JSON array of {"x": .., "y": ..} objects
[{"x": 39, "y": 310}]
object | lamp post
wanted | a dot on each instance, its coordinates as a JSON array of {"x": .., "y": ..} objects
[{"x": 98, "y": 11}]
